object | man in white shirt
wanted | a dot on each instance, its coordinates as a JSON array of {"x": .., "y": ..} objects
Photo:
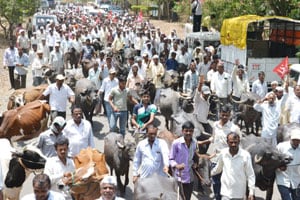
[
  {"x": 50, "y": 40},
  {"x": 151, "y": 156},
  {"x": 221, "y": 129},
  {"x": 259, "y": 86},
  {"x": 9, "y": 60},
  {"x": 204, "y": 67},
  {"x": 59, "y": 94},
  {"x": 293, "y": 106},
  {"x": 41, "y": 187},
  {"x": 38, "y": 65},
  {"x": 23, "y": 41},
  {"x": 237, "y": 171},
  {"x": 56, "y": 60},
  {"x": 60, "y": 166},
  {"x": 288, "y": 177},
  {"x": 240, "y": 83},
  {"x": 270, "y": 117},
  {"x": 107, "y": 85},
  {"x": 221, "y": 84},
  {"x": 201, "y": 105},
  {"x": 191, "y": 79},
  {"x": 155, "y": 72},
  {"x": 21, "y": 69},
  {"x": 79, "y": 132}
]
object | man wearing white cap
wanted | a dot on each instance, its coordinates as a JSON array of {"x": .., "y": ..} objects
[
  {"x": 59, "y": 93},
  {"x": 202, "y": 106},
  {"x": 39, "y": 63},
  {"x": 23, "y": 41},
  {"x": 288, "y": 177},
  {"x": 108, "y": 189},
  {"x": 155, "y": 71}
]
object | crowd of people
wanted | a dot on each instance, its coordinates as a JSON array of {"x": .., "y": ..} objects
[{"x": 156, "y": 53}]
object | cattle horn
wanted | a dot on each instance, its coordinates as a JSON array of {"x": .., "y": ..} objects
[
  {"x": 121, "y": 146},
  {"x": 238, "y": 102},
  {"x": 257, "y": 158}
]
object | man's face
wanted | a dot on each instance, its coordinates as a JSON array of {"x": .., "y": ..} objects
[
  {"x": 41, "y": 192},
  {"x": 151, "y": 133},
  {"x": 224, "y": 117},
  {"x": 62, "y": 151},
  {"x": 122, "y": 85},
  {"x": 279, "y": 94},
  {"x": 108, "y": 191},
  {"x": 146, "y": 98},
  {"x": 261, "y": 77},
  {"x": 59, "y": 82},
  {"x": 20, "y": 51},
  {"x": 297, "y": 91},
  {"x": 220, "y": 69},
  {"x": 295, "y": 143},
  {"x": 271, "y": 98},
  {"x": 233, "y": 143},
  {"x": 188, "y": 133},
  {"x": 77, "y": 115}
]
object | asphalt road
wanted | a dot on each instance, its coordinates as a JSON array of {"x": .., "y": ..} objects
[{"x": 100, "y": 130}]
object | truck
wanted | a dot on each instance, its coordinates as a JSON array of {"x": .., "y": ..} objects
[
  {"x": 202, "y": 39},
  {"x": 260, "y": 43}
]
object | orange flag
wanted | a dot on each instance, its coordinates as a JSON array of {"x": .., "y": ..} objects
[{"x": 282, "y": 69}]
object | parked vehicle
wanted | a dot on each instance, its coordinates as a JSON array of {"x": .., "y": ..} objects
[
  {"x": 113, "y": 8},
  {"x": 260, "y": 43},
  {"x": 204, "y": 38},
  {"x": 39, "y": 20},
  {"x": 44, "y": 5}
]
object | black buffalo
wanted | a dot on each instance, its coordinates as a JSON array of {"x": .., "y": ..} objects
[
  {"x": 117, "y": 155},
  {"x": 266, "y": 159},
  {"x": 86, "y": 97}
]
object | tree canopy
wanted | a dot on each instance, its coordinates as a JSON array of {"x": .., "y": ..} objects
[
  {"x": 13, "y": 12},
  {"x": 232, "y": 8}
]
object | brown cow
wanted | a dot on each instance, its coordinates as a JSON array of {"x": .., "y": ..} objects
[
  {"x": 168, "y": 136},
  {"x": 90, "y": 170},
  {"x": 25, "y": 95},
  {"x": 26, "y": 121}
]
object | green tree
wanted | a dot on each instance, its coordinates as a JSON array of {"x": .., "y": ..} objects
[
  {"x": 289, "y": 8},
  {"x": 232, "y": 8},
  {"x": 13, "y": 12}
]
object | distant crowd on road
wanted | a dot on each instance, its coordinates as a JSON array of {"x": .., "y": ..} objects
[{"x": 124, "y": 53}]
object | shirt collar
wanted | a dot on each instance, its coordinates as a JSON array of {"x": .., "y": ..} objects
[{"x": 154, "y": 143}]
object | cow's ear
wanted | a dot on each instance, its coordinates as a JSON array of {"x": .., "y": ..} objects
[
  {"x": 121, "y": 146},
  {"x": 12, "y": 98}
]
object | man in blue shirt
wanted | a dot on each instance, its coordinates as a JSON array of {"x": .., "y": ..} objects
[{"x": 172, "y": 63}]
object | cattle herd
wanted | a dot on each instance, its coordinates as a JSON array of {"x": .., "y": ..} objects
[{"x": 27, "y": 116}]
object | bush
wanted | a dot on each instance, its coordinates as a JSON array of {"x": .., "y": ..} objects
[{"x": 143, "y": 8}]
